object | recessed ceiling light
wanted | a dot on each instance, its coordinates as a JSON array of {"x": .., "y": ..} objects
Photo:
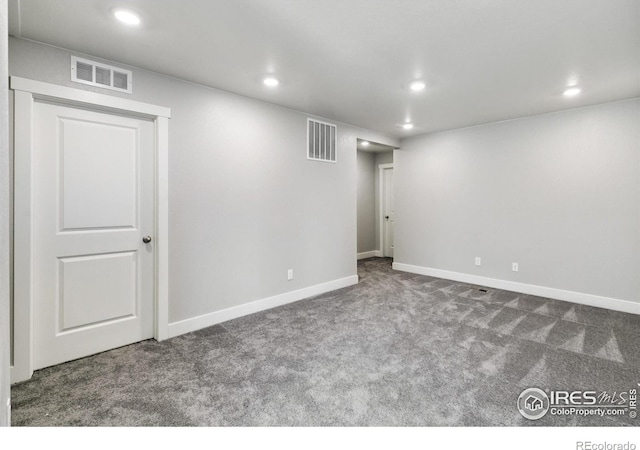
[
  {"x": 271, "y": 81},
  {"x": 127, "y": 17},
  {"x": 407, "y": 126},
  {"x": 571, "y": 91},
  {"x": 364, "y": 143},
  {"x": 417, "y": 86}
]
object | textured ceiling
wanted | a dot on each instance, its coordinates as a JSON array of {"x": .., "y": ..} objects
[{"x": 352, "y": 60}]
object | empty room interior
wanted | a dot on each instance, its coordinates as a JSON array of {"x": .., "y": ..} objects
[{"x": 320, "y": 213}]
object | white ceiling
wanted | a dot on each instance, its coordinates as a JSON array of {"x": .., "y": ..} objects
[{"x": 352, "y": 60}]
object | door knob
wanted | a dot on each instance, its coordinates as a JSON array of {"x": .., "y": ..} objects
[{"x": 146, "y": 239}]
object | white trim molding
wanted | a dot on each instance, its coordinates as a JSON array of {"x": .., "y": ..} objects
[
  {"x": 26, "y": 93},
  {"x": 214, "y": 318},
  {"x": 43, "y": 90},
  {"x": 540, "y": 291},
  {"x": 371, "y": 254},
  {"x": 162, "y": 229},
  {"x": 22, "y": 368}
]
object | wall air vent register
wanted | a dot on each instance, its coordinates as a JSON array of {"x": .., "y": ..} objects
[
  {"x": 321, "y": 141},
  {"x": 100, "y": 75}
]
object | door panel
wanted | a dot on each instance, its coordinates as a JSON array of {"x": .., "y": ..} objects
[
  {"x": 93, "y": 201},
  {"x": 388, "y": 212},
  {"x": 87, "y": 293},
  {"x": 109, "y": 162}
]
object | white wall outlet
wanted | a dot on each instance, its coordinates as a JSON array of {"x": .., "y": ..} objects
[
  {"x": 478, "y": 261},
  {"x": 290, "y": 274},
  {"x": 514, "y": 267}
]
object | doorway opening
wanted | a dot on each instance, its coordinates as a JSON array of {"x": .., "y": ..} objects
[{"x": 375, "y": 197}]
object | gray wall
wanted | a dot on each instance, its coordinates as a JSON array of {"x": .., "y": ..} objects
[
  {"x": 366, "y": 202},
  {"x": 4, "y": 221},
  {"x": 384, "y": 158},
  {"x": 558, "y": 193},
  {"x": 245, "y": 203}
]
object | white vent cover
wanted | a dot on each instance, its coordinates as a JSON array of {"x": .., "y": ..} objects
[
  {"x": 321, "y": 141},
  {"x": 100, "y": 75}
]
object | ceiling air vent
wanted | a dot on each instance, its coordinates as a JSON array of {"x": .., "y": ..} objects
[
  {"x": 321, "y": 141},
  {"x": 100, "y": 75}
]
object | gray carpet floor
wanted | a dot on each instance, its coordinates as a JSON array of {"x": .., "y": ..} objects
[{"x": 396, "y": 349}]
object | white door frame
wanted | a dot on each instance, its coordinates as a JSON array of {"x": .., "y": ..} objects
[
  {"x": 25, "y": 93},
  {"x": 381, "y": 187}
]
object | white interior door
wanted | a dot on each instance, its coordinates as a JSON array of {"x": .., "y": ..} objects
[
  {"x": 93, "y": 202},
  {"x": 388, "y": 211}
]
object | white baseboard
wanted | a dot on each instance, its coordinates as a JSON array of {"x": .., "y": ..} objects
[
  {"x": 371, "y": 254},
  {"x": 540, "y": 291},
  {"x": 214, "y": 318}
]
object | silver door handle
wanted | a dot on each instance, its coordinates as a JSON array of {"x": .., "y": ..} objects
[{"x": 146, "y": 239}]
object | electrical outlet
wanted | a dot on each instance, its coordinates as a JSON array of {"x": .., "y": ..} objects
[
  {"x": 290, "y": 274},
  {"x": 478, "y": 261},
  {"x": 514, "y": 267}
]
